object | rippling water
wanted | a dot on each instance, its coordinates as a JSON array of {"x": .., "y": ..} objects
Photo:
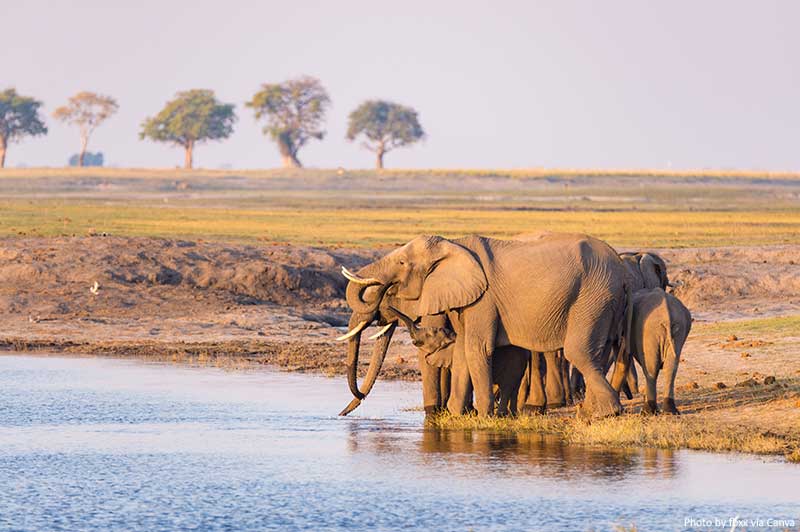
[{"x": 100, "y": 444}]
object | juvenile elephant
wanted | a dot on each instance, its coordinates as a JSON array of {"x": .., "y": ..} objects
[
  {"x": 560, "y": 291},
  {"x": 645, "y": 269},
  {"x": 661, "y": 324},
  {"x": 434, "y": 339}
]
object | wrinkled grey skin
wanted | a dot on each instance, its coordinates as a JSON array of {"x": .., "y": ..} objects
[
  {"x": 545, "y": 383},
  {"x": 645, "y": 269},
  {"x": 575, "y": 302},
  {"x": 661, "y": 324},
  {"x": 434, "y": 339}
]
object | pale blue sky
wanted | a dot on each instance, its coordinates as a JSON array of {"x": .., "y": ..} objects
[{"x": 497, "y": 84}]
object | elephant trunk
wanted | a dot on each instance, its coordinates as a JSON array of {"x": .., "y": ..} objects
[
  {"x": 353, "y": 346},
  {"x": 413, "y": 328},
  {"x": 355, "y": 298},
  {"x": 378, "y": 355}
]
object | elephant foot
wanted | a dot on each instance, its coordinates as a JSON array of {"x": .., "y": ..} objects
[
  {"x": 433, "y": 410},
  {"x": 627, "y": 391},
  {"x": 649, "y": 408},
  {"x": 533, "y": 410},
  {"x": 557, "y": 405},
  {"x": 668, "y": 406}
]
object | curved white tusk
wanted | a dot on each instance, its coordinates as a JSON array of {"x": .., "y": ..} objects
[
  {"x": 354, "y": 331},
  {"x": 358, "y": 280},
  {"x": 382, "y": 331}
]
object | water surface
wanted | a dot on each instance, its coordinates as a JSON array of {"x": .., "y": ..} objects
[{"x": 103, "y": 444}]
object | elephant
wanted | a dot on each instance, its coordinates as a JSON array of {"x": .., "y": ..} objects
[
  {"x": 559, "y": 291},
  {"x": 661, "y": 324},
  {"x": 645, "y": 269},
  {"x": 545, "y": 383},
  {"x": 434, "y": 340}
]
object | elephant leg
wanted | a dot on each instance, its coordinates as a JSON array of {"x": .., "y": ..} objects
[
  {"x": 479, "y": 364},
  {"x": 444, "y": 387},
  {"x": 671, "y": 370},
  {"x": 577, "y": 385},
  {"x": 650, "y": 368},
  {"x": 633, "y": 379},
  {"x": 480, "y": 329},
  {"x": 554, "y": 388},
  {"x": 536, "y": 401},
  {"x": 460, "y": 386},
  {"x": 564, "y": 365},
  {"x": 524, "y": 385},
  {"x": 587, "y": 354},
  {"x": 431, "y": 385}
]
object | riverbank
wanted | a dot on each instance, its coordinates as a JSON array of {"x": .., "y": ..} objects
[{"x": 236, "y": 306}]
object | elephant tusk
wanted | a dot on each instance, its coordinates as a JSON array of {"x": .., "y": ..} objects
[
  {"x": 382, "y": 331},
  {"x": 672, "y": 284},
  {"x": 359, "y": 280},
  {"x": 354, "y": 331},
  {"x": 350, "y": 407}
]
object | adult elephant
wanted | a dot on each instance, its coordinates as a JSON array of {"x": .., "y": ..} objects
[{"x": 557, "y": 291}]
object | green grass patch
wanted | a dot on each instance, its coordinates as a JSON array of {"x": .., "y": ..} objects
[
  {"x": 314, "y": 224},
  {"x": 782, "y": 325}
]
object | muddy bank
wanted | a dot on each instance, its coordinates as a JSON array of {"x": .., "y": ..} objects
[
  {"x": 278, "y": 304},
  {"x": 234, "y": 305}
]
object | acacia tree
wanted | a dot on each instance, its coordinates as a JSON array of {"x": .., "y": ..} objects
[
  {"x": 19, "y": 117},
  {"x": 294, "y": 111},
  {"x": 385, "y": 125},
  {"x": 86, "y": 110},
  {"x": 192, "y": 117}
]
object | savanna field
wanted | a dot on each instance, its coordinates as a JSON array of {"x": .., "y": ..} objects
[{"x": 240, "y": 268}]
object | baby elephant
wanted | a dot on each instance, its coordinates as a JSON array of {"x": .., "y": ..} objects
[{"x": 661, "y": 324}]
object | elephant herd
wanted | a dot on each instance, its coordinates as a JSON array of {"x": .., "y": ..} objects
[{"x": 509, "y": 326}]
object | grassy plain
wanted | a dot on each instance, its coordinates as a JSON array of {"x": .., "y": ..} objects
[{"x": 367, "y": 208}]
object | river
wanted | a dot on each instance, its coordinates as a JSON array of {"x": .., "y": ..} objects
[{"x": 107, "y": 444}]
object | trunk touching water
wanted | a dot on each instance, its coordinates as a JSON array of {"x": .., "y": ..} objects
[
  {"x": 378, "y": 355},
  {"x": 364, "y": 313}
]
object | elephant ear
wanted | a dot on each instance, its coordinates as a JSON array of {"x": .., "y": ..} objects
[
  {"x": 652, "y": 273},
  {"x": 457, "y": 280},
  {"x": 443, "y": 358}
]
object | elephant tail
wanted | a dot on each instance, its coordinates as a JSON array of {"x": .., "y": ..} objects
[{"x": 625, "y": 353}]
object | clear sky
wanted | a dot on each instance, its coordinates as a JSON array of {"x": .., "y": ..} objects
[{"x": 682, "y": 84}]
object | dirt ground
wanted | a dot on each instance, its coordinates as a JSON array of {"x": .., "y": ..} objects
[{"x": 283, "y": 305}]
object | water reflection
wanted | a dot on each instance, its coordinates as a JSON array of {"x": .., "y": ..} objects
[
  {"x": 97, "y": 444},
  {"x": 526, "y": 454}
]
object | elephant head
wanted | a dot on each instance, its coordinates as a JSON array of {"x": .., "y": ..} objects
[
  {"x": 654, "y": 271},
  {"x": 429, "y": 339},
  {"x": 648, "y": 270},
  {"x": 428, "y": 275}
]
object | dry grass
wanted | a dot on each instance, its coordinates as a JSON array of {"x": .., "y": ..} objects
[
  {"x": 321, "y": 225},
  {"x": 634, "y": 431}
]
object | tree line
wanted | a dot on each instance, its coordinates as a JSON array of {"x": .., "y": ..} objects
[{"x": 293, "y": 113}]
